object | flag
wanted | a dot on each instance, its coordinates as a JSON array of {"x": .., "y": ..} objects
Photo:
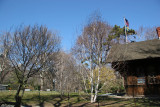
[
  {"x": 127, "y": 23},
  {"x": 126, "y": 27}
]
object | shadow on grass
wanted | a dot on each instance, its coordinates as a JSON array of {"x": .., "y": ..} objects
[
  {"x": 129, "y": 102},
  {"x": 58, "y": 103},
  {"x": 78, "y": 102},
  {"x": 75, "y": 100},
  {"x": 4, "y": 101},
  {"x": 116, "y": 101},
  {"x": 42, "y": 99},
  {"x": 149, "y": 101},
  {"x": 55, "y": 100}
]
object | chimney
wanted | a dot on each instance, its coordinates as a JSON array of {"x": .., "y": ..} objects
[{"x": 158, "y": 32}]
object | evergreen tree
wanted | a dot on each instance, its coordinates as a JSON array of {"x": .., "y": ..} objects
[{"x": 117, "y": 32}]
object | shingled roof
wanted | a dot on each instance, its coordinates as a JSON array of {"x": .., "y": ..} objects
[{"x": 134, "y": 51}]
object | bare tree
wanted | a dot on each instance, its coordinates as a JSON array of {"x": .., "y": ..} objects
[
  {"x": 67, "y": 79},
  {"x": 30, "y": 49},
  {"x": 147, "y": 33},
  {"x": 92, "y": 48},
  {"x": 48, "y": 75}
]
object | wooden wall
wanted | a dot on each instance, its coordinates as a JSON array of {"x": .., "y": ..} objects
[{"x": 142, "y": 77}]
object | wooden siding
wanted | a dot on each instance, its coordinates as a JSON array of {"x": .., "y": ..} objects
[
  {"x": 142, "y": 77},
  {"x": 134, "y": 90}
]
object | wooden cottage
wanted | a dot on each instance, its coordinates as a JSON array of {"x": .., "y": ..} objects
[{"x": 139, "y": 64}]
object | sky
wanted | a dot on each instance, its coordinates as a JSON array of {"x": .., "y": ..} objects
[{"x": 67, "y": 17}]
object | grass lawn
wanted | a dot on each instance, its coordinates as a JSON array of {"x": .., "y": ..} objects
[{"x": 51, "y": 99}]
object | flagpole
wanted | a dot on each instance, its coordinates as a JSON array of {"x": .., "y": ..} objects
[{"x": 125, "y": 30}]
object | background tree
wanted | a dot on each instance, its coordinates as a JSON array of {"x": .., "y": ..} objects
[
  {"x": 147, "y": 33},
  {"x": 48, "y": 76},
  {"x": 30, "y": 49},
  {"x": 5, "y": 66},
  {"x": 67, "y": 79}
]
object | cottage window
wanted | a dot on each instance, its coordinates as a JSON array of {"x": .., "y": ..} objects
[
  {"x": 152, "y": 75},
  {"x": 153, "y": 80},
  {"x": 140, "y": 76},
  {"x": 141, "y": 81}
]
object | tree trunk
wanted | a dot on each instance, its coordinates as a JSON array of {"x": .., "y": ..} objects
[
  {"x": 92, "y": 98},
  {"x": 42, "y": 82},
  {"x": 17, "y": 97},
  {"x": 92, "y": 94}
]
